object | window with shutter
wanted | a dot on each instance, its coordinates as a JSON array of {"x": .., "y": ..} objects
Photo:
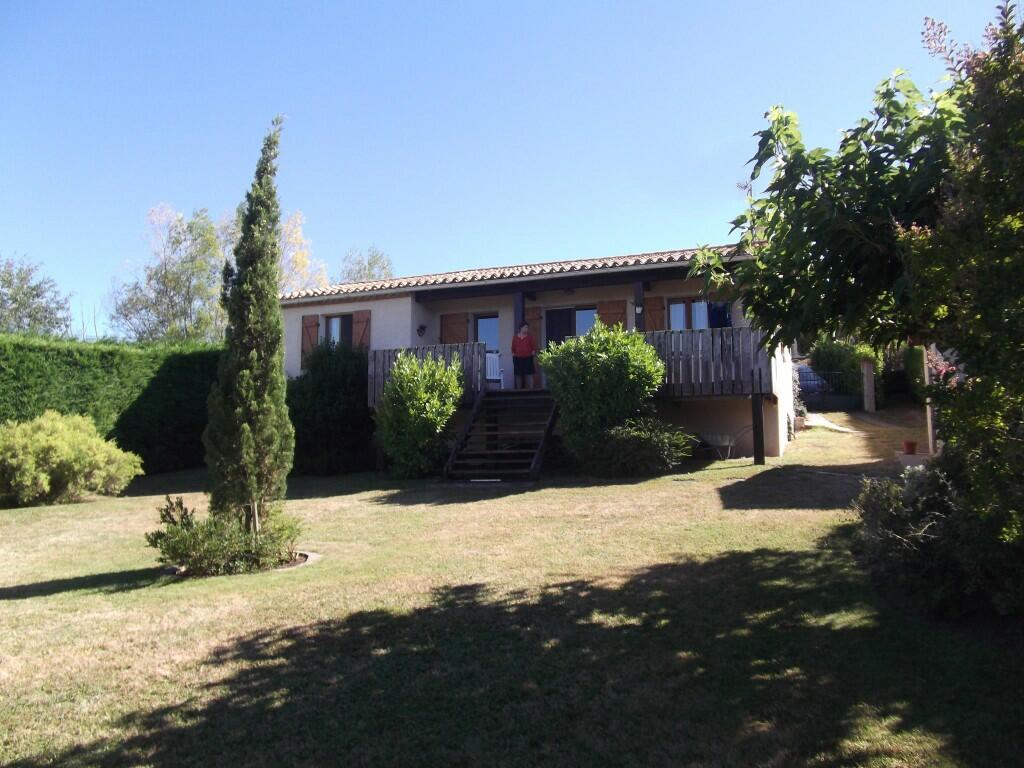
[{"x": 310, "y": 337}]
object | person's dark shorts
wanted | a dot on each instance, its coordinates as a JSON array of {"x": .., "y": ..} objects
[{"x": 523, "y": 366}]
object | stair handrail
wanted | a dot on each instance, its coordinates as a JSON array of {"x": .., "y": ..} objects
[
  {"x": 460, "y": 441},
  {"x": 538, "y": 457}
]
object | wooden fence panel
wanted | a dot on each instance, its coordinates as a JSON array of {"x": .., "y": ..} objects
[{"x": 713, "y": 361}]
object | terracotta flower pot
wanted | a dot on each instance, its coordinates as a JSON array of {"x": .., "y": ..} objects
[{"x": 909, "y": 446}]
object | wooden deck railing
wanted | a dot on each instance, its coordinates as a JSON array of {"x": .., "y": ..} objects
[
  {"x": 471, "y": 357},
  {"x": 713, "y": 361}
]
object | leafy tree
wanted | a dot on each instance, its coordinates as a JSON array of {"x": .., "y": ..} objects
[
  {"x": 359, "y": 267},
  {"x": 31, "y": 303},
  {"x": 825, "y": 233},
  {"x": 915, "y": 227},
  {"x": 299, "y": 270},
  {"x": 249, "y": 439},
  {"x": 967, "y": 270},
  {"x": 176, "y": 298}
]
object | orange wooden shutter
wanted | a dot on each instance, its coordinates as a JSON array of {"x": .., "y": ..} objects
[
  {"x": 612, "y": 312},
  {"x": 455, "y": 328},
  {"x": 310, "y": 336},
  {"x": 654, "y": 309},
  {"x": 361, "y": 329}
]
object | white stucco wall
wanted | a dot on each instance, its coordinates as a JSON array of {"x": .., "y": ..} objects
[{"x": 390, "y": 324}]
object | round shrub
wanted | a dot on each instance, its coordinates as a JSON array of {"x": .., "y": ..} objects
[
  {"x": 923, "y": 532},
  {"x": 600, "y": 380},
  {"x": 419, "y": 400},
  {"x": 58, "y": 458},
  {"x": 641, "y": 447},
  {"x": 328, "y": 408}
]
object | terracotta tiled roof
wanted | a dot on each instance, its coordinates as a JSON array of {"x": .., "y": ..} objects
[{"x": 500, "y": 273}]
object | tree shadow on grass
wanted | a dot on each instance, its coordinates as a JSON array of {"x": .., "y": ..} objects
[
  {"x": 767, "y": 658},
  {"x": 114, "y": 581},
  {"x": 439, "y": 493},
  {"x": 169, "y": 483},
  {"x": 795, "y": 487}
]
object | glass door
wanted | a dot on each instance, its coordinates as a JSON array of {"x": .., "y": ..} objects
[{"x": 486, "y": 330}]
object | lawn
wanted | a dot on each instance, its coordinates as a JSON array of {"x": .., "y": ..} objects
[{"x": 710, "y": 618}]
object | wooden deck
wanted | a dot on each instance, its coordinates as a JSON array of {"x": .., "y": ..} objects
[
  {"x": 471, "y": 357},
  {"x": 701, "y": 363}
]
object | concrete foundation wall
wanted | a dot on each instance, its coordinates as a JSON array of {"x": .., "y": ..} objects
[{"x": 727, "y": 415}]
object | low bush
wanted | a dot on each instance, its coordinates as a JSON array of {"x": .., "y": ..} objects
[
  {"x": 57, "y": 458},
  {"x": 418, "y": 402},
  {"x": 922, "y": 532},
  {"x": 600, "y": 380},
  {"x": 640, "y": 447},
  {"x": 328, "y": 408},
  {"x": 219, "y": 544}
]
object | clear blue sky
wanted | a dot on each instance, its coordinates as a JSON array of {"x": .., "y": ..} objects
[{"x": 448, "y": 135}]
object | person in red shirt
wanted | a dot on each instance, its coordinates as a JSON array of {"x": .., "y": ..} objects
[{"x": 524, "y": 351}]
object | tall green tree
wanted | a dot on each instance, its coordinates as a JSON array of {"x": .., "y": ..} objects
[
  {"x": 30, "y": 302},
  {"x": 177, "y": 295},
  {"x": 249, "y": 439}
]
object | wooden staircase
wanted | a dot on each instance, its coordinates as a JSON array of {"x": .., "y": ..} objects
[{"x": 504, "y": 437}]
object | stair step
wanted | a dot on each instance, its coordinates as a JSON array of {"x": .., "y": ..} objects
[
  {"x": 498, "y": 465},
  {"x": 497, "y": 475},
  {"x": 479, "y": 429},
  {"x": 496, "y": 451}
]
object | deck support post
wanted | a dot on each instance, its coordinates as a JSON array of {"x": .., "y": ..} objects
[
  {"x": 639, "y": 319},
  {"x": 757, "y": 415},
  {"x": 519, "y": 311}
]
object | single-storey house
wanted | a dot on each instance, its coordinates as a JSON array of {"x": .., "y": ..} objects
[{"x": 720, "y": 382}]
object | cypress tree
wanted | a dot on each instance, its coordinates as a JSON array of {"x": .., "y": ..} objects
[{"x": 249, "y": 438}]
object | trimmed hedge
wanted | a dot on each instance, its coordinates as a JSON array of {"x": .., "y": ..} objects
[
  {"x": 328, "y": 408},
  {"x": 150, "y": 398}
]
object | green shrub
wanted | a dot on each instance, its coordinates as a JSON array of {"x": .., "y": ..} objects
[
  {"x": 922, "y": 532},
  {"x": 845, "y": 357},
  {"x": 913, "y": 365},
  {"x": 150, "y": 398},
  {"x": 600, "y": 380},
  {"x": 327, "y": 403},
  {"x": 419, "y": 400},
  {"x": 219, "y": 544},
  {"x": 55, "y": 458},
  {"x": 640, "y": 447}
]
